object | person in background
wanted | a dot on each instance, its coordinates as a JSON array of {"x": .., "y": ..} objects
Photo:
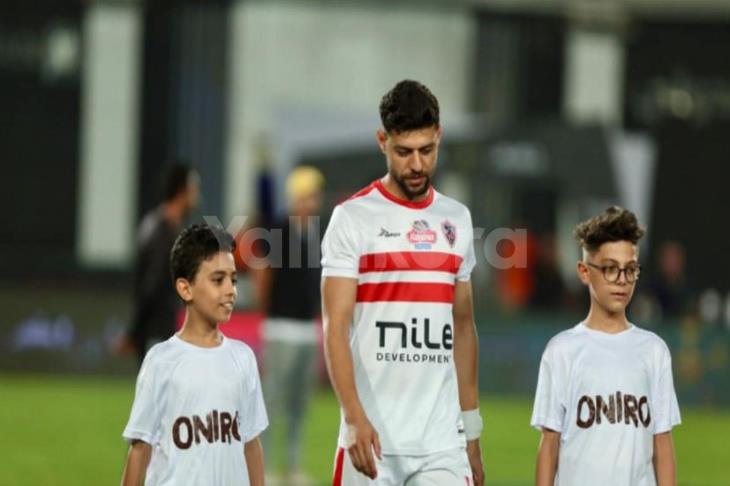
[
  {"x": 287, "y": 292},
  {"x": 669, "y": 285},
  {"x": 155, "y": 302}
]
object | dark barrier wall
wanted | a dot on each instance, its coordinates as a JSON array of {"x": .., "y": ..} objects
[{"x": 69, "y": 329}]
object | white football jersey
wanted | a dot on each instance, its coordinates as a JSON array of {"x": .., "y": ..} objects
[
  {"x": 197, "y": 407},
  {"x": 607, "y": 395},
  {"x": 407, "y": 258}
]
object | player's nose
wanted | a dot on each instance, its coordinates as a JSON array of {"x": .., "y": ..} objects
[{"x": 416, "y": 162}]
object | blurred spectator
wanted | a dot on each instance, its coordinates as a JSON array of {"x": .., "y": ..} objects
[
  {"x": 669, "y": 285},
  {"x": 155, "y": 301},
  {"x": 516, "y": 282},
  {"x": 288, "y": 294},
  {"x": 549, "y": 291}
]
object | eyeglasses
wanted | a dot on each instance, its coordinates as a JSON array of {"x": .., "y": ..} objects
[{"x": 612, "y": 273}]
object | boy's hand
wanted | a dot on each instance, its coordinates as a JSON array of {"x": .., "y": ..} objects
[
  {"x": 474, "y": 453},
  {"x": 362, "y": 440}
]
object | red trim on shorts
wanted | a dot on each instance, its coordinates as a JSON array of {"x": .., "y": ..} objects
[
  {"x": 339, "y": 464},
  {"x": 403, "y": 202},
  {"x": 434, "y": 261},
  {"x": 406, "y": 292}
]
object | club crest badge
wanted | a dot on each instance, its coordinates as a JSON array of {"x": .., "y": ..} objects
[
  {"x": 421, "y": 235},
  {"x": 449, "y": 232}
]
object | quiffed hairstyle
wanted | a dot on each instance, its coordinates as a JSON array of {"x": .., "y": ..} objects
[
  {"x": 408, "y": 106},
  {"x": 176, "y": 180},
  {"x": 194, "y": 245},
  {"x": 614, "y": 224}
]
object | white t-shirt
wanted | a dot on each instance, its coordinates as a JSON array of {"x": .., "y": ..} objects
[
  {"x": 607, "y": 394},
  {"x": 197, "y": 407},
  {"x": 407, "y": 258}
]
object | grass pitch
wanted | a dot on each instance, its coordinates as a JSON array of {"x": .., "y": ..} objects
[{"x": 67, "y": 431}]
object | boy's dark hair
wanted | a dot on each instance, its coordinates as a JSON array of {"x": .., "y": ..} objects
[
  {"x": 614, "y": 224},
  {"x": 194, "y": 245},
  {"x": 408, "y": 106},
  {"x": 177, "y": 178}
]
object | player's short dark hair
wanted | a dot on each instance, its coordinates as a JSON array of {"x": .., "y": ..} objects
[
  {"x": 176, "y": 180},
  {"x": 196, "y": 244},
  {"x": 614, "y": 224},
  {"x": 408, "y": 106}
]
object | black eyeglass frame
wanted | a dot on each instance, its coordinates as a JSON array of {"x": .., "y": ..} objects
[{"x": 625, "y": 271}]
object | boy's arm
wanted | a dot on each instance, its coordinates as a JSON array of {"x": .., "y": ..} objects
[
  {"x": 254, "y": 454},
  {"x": 665, "y": 467},
  {"x": 466, "y": 359},
  {"x": 138, "y": 459},
  {"x": 338, "y": 303},
  {"x": 547, "y": 458}
]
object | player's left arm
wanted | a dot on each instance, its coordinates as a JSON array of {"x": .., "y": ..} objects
[
  {"x": 254, "y": 454},
  {"x": 665, "y": 467},
  {"x": 466, "y": 359}
]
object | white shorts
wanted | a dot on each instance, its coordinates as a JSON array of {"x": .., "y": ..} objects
[{"x": 446, "y": 468}]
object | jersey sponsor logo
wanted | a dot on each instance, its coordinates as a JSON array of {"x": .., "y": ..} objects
[
  {"x": 618, "y": 408},
  {"x": 384, "y": 233},
  {"x": 421, "y": 235},
  {"x": 449, "y": 232},
  {"x": 417, "y": 345},
  {"x": 218, "y": 427}
]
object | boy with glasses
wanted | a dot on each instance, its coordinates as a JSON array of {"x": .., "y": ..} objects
[{"x": 605, "y": 400}]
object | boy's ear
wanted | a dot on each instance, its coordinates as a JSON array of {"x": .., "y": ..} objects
[
  {"x": 582, "y": 270},
  {"x": 184, "y": 289}
]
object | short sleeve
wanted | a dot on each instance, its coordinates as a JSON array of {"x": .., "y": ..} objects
[
  {"x": 145, "y": 416},
  {"x": 549, "y": 408},
  {"x": 340, "y": 246},
  {"x": 470, "y": 261},
  {"x": 664, "y": 399},
  {"x": 254, "y": 419}
]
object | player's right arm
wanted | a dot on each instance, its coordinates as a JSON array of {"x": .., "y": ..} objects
[
  {"x": 338, "y": 302},
  {"x": 547, "y": 458},
  {"x": 138, "y": 459}
]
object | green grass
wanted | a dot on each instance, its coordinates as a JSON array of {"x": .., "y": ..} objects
[{"x": 66, "y": 431}]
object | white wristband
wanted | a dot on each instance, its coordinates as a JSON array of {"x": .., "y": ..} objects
[{"x": 473, "y": 424}]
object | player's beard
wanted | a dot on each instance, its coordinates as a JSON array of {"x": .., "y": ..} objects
[{"x": 410, "y": 193}]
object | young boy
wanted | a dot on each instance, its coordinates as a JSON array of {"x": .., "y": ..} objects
[
  {"x": 605, "y": 400},
  {"x": 198, "y": 408}
]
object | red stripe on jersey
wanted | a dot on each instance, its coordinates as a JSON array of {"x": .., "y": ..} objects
[
  {"x": 363, "y": 192},
  {"x": 339, "y": 463},
  {"x": 406, "y": 292},
  {"x": 410, "y": 260}
]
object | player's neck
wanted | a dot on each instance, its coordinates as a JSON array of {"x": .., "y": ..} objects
[
  {"x": 395, "y": 190},
  {"x": 600, "y": 319},
  {"x": 200, "y": 332}
]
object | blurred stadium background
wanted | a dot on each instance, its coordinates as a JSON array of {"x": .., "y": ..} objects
[{"x": 552, "y": 110}]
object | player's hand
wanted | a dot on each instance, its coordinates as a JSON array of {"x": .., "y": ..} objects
[
  {"x": 474, "y": 453},
  {"x": 362, "y": 441}
]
